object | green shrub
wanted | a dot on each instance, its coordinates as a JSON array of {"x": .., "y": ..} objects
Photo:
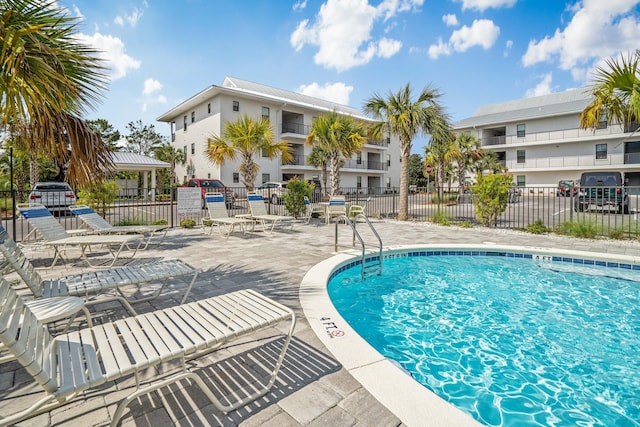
[
  {"x": 131, "y": 221},
  {"x": 585, "y": 229},
  {"x": 160, "y": 221},
  {"x": 465, "y": 224},
  {"x": 99, "y": 195},
  {"x": 440, "y": 217},
  {"x": 617, "y": 234},
  {"x": 491, "y": 197},
  {"x": 537, "y": 227},
  {"x": 188, "y": 223},
  {"x": 297, "y": 189}
]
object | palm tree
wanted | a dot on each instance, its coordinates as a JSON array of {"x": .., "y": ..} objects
[
  {"x": 407, "y": 118},
  {"x": 340, "y": 137},
  {"x": 247, "y": 137},
  {"x": 318, "y": 158},
  {"x": 441, "y": 152},
  {"x": 616, "y": 92},
  {"x": 47, "y": 79},
  {"x": 467, "y": 152},
  {"x": 168, "y": 153}
]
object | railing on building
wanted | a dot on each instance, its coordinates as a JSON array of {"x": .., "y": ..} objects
[
  {"x": 550, "y": 136},
  {"x": 297, "y": 128}
]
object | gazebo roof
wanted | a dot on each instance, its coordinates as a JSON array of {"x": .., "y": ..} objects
[{"x": 126, "y": 161}]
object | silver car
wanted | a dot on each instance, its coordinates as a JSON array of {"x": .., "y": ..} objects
[
  {"x": 55, "y": 196},
  {"x": 273, "y": 191}
]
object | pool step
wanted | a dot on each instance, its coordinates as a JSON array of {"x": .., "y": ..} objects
[{"x": 374, "y": 269}]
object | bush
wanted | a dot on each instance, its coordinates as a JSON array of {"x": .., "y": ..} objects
[
  {"x": 160, "y": 221},
  {"x": 537, "y": 227},
  {"x": 491, "y": 197},
  {"x": 297, "y": 189},
  {"x": 583, "y": 229},
  {"x": 99, "y": 195},
  {"x": 617, "y": 234},
  {"x": 465, "y": 224},
  {"x": 441, "y": 218},
  {"x": 188, "y": 223}
]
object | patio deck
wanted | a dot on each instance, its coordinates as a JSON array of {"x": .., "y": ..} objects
[{"x": 313, "y": 388}]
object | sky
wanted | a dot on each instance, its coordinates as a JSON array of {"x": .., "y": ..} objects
[{"x": 475, "y": 52}]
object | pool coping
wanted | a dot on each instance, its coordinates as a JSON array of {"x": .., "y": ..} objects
[{"x": 411, "y": 402}]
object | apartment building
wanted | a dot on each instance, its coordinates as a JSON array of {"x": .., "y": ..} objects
[
  {"x": 205, "y": 114},
  {"x": 540, "y": 141}
]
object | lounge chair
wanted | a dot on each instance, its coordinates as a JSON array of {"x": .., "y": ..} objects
[
  {"x": 219, "y": 217},
  {"x": 101, "y": 226},
  {"x": 92, "y": 284},
  {"x": 313, "y": 209},
  {"x": 357, "y": 209},
  {"x": 55, "y": 236},
  {"x": 69, "y": 364},
  {"x": 337, "y": 207},
  {"x": 259, "y": 213}
]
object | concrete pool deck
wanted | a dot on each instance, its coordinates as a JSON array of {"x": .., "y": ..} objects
[{"x": 314, "y": 387}]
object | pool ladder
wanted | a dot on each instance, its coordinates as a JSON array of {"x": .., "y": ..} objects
[{"x": 370, "y": 266}]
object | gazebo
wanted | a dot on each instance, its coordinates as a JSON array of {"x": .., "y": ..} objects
[{"x": 133, "y": 162}]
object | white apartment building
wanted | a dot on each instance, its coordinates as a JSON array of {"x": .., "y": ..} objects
[
  {"x": 540, "y": 141},
  {"x": 205, "y": 114}
]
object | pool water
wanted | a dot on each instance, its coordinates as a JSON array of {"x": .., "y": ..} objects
[{"x": 511, "y": 341}]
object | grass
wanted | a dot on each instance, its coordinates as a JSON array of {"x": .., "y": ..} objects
[
  {"x": 440, "y": 217},
  {"x": 132, "y": 221},
  {"x": 584, "y": 229}
]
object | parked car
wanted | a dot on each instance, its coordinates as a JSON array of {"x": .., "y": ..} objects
[
  {"x": 566, "y": 187},
  {"x": 55, "y": 196},
  {"x": 213, "y": 186},
  {"x": 602, "y": 189},
  {"x": 273, "y": 191}
]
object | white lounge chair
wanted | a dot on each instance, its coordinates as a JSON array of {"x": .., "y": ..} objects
[
  {"x": 55, "y": 236},
  {"x": 259, "y": 213},
  {"x": 313, "y": 209},
  {"x": 219, "y": 217},
  {"x": 93, "y": 284},
  {"x": 100, "y": 225},
  {"x": 358, "y": 208},
  {"x": 337, "y": 207},
  {"x": 69, "y": 364}
]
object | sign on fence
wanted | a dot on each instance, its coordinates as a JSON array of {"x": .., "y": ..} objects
[{"x": 189, "y": 202}]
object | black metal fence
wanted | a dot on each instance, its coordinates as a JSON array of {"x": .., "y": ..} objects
[{"x": 526, "y": 206}]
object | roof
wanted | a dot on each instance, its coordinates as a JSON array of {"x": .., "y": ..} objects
[
  {"x": 232, "y": 85},
  {"x": 555, "y": 104},
  {"x": 125, "y": 160}
]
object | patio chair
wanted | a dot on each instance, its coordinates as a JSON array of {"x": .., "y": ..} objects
[
  {"x": 93, "y": 284},
  {"x": 357, "y": 209},
  {"x": 312, "y": 209},
  {"x": 99, "y": 225},
  {"x": 219, "y": 217},
  {"x": 259, "y": 213},
  {"x": 56, "y": 236},
  {"x": 67, "y": 365},
  {"x": 337, "y": 207}
]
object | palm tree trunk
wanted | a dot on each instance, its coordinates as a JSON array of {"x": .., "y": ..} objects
[
  {"x": 403, "y": 206},
  {"x": 335, "y": 173},
  {"x": 323, "y": 180}
]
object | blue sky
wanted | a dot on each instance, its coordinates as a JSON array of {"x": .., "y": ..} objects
[{"x": 476, "y": 52}]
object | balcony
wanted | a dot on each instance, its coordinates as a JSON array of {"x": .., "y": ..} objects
[
  {"x": 349, "y": 164},
  {"x": 297, "y": 128},
  {"x": 556, "y": 136}
]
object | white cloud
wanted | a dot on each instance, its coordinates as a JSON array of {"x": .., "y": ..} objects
[
  {"x": 300, "y": 4},
  {"x": 342, "y": 30},
  {"x": 597, "y": 29},
  {"x": 450, "y": 20},
  {"x": 161, "y": 99},
  {"x": 118, "y": 21},
  {"x": 482, "y": 32},
  {"x": 113, "y": 53},
  {"x": 507, "y": 48},
  {"x": 542, "y": 88},
  {"x": 482, "y": 5},
  {"x": 150, "y": 86},
  {"x": 335, "y": 92},
  {"x": 132, "y": 19}
]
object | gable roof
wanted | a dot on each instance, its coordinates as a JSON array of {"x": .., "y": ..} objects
[
  {"x": 126, "y": 161},
  {"x": 555, "y": 104}
]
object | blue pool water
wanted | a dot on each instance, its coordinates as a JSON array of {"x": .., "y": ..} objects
[{"x": 511, "y": 341}]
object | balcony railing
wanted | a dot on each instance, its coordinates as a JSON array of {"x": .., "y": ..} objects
[
  {"x": 349, "y": 164},
  {"x": 298, "y": 128},
  {"x": 557, "y": 135}
]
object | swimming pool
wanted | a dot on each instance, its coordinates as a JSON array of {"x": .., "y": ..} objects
[{"x": 506, "y": 351}]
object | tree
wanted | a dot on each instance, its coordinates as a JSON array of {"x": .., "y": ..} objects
[
  {"x": 168, "y": 153},
  {"x": 48, "y": 77},
  {"x": 616, "y": 92},
  {"x": 488, "y": 162},
  {"x": 318, "y": 158},
  {"x": 467, "y": 152},
  {"x": 491, "y": 198},
  {"x": 407, "y": 118},
  {"x": 247, "y": 138},
  {"x": 340, "y": 137},
  {"x": 143, "y": 139},
  {"x": 417, "y": 173},
  {"x": 440, "y": 153},
  {"x": 107, "y": 132}
]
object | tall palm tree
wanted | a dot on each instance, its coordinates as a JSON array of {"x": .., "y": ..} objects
[
  {"x": 168, "y": 153},
  {"x": 616, "y": 92},
  {"x": 247, "y": 138},
  {"x": 47, "y": 79},
  {"x": 339, "y": 136},
  {"x": 318, "y": 158},
  {"x": 467, "y": 152},
  {"x": 405, "y": 117},
  {"x": 441, "y": 152}
]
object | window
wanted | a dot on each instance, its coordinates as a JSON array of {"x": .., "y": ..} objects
[
  {"x": 185, "y": 122},
  {"x": 193, "y": 148},
  {"x": 602, "y": 122},
  {"x": 521, "y": 180},
  {"x": 521, "y": 130},
  {"x": 193, "y": 117},
  {"x": 521, "y": 156},
  {"x": 359, "y": 159},
  {"x": 388, "y": 160},
  {"x": 388, "y": 182},
  {"x": 236, "y": 177},
  {"x": 209, "y": 175},
  {"x": 265, "y": 113},
  {"x": 185, "y": 150},
  {"x": 266, "y": 177},
  {"x": 236, "y": 106},
  {"x": 358, "y": 182},
  {"x": 601, "y": 151},
  {"x": 209, "y": 108},
  {"x": 264, "y": 153}
]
